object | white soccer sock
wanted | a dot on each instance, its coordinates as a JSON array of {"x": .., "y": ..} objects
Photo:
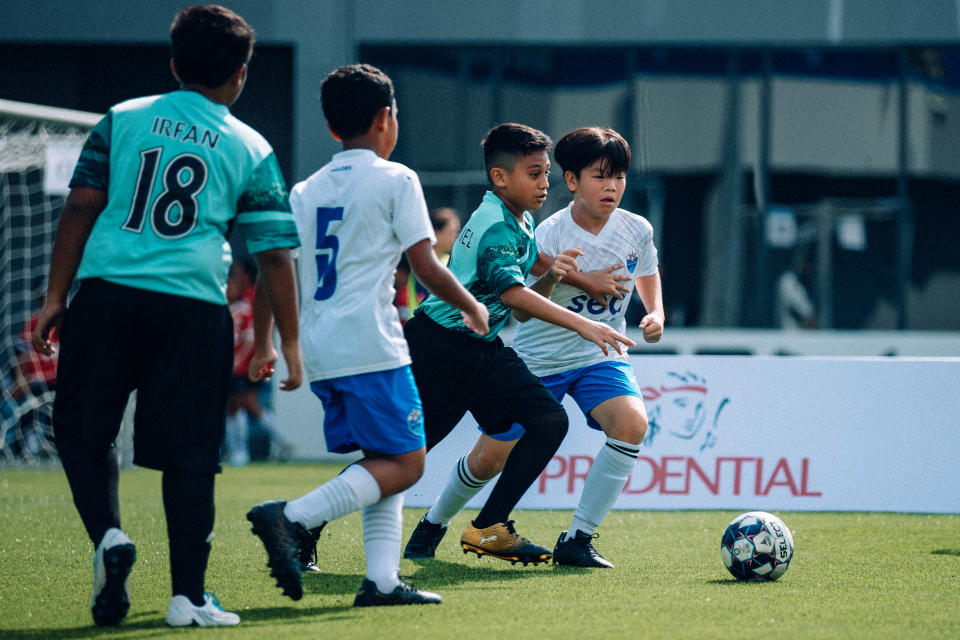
[
  {"x": 353, "y": 489},
  {"x": 606, "y": 480},
  {"x": 461, "y": 486},
  {"x": 382, "y": 525}
]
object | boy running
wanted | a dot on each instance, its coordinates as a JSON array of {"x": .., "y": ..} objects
[
  {"x": 160, "y": 182},
  {"x": 594, "y": 162},
  {"x": 355, "y": 217},
  {"x": 459, "y": 371}
]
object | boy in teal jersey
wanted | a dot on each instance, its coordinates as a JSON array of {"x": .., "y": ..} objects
[
  {"x": 458, "y": 370},
  {"x": 159, "y": 184}
]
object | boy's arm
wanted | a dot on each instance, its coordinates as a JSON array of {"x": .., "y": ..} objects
[
  {"x": 76, "y": 222},
  {"x": 441, "y": 283},
  {"x": 529, "y": 302},
  {"x": 649, "y": 290},
  {"x": 558, "y": 268},
  {"x": 276, "y": 291},
  {"x": 596, "y": 284}
]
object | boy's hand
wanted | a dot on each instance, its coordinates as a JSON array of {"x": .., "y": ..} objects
[
  {"x": 261, "y": 365},
  {"x": 49, "y": 320},
  {"x": 603, "y": 282},
  {"x": 294, "y": 360},
  {"x": 602, "y": 335},
  {"x": 566, "y": 261},
  {"x": 478, "y": 319},
  {"x": 652, "y": 325}
]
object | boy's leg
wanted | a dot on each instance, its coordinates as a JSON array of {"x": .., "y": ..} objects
[
  {"x": 377, "y": 411},
  {"x": 624, "y": 421},
  {"x": 92, "y": 391},
  {"x": 93, "y": 386},
  {"x": 189, "y": 508},
  {"x": 507, "y": 393},
  {"x": 179, "y": 430},
  {"x": 470, "y": 475},
  {"x": 382, "y": 523},
  {"x": 531, "y": 454}
]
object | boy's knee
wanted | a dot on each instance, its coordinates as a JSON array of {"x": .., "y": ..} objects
[{"x": 632, "y": 428}]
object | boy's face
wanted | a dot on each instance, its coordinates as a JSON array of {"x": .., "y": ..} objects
[
  {"x": 596, "y": 193},
  {"x": 523, "y": 188}
]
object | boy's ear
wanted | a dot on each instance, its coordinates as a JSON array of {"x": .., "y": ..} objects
[
  {"x": 333, "y": 133},
  {"x": 498, "y": 176},
  {"x": 571, "y": 179},
  {"x": 173, "y": 70},
  {"x": 382, "y": 118}
]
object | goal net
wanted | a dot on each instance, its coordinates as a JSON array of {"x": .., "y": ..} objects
[{"x": 38, "y": 149}]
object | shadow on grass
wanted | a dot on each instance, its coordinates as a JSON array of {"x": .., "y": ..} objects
[
  {"x": 434, "y": 573},
  {"x": 152, "y": 624},
  {"x": 733, "y": 582},
  {"x": 431, "y": 574},
  {"x": 946, "y": 552}
]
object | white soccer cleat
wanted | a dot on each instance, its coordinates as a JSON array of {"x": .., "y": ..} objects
[
  {"x": 183, "y": 613},
  {"x": 112, "y": 562}
]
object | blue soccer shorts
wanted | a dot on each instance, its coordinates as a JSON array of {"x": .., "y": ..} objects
[
  {"x": 378, "y": 411},
  {"x": 588, "y": 386}
]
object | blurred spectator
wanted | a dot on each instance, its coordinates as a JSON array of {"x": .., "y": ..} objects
[
  {"x": 247, "y": 416},
  {"x": 794, "y": 308}
]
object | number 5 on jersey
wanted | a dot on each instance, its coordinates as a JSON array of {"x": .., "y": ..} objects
[{"x": 327, "y": 248}]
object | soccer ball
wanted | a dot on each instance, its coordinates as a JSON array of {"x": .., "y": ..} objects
[{"x": 756, "y": 546}]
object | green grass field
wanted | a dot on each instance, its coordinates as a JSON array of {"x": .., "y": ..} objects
[{"x": 854, "y": 575}]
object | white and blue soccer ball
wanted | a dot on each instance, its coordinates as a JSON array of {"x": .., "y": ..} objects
[{"x": 757, "y": 546}]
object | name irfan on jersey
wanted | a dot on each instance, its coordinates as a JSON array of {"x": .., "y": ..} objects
[{"x": 184, "y": 132}]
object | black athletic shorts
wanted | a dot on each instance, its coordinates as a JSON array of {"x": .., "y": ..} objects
[
  {"x": 456, "y": 373},
  {"x": 176, "y": 352}
]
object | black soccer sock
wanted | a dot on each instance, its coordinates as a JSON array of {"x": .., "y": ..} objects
[
  {"x": 94, "y": 481},
  {"x": 529, "y": 457},
  {"x": 188, "y": 503}
]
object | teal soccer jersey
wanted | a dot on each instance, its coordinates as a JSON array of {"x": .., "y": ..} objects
[
  {"x": 492, "y": 254},
  {"x": 179, "y": 170}
]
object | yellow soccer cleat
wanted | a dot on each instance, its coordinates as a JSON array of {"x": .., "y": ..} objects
[{"x": 502, "y": 541}]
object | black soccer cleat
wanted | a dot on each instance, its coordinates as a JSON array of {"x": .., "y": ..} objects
[
  {"x": 370, "y": 596},
  {"x": 279, "y": 536},
  {"x": 578, "y": 551},
  {"x": 112, "y": 562},
  {"x": 307, "y": 555},
  {"x": 424, "y": 540}
]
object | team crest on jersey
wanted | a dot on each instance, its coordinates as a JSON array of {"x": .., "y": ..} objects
[
  {"x": 632, "y": 259},
  {"x": 414, "y": 419}
]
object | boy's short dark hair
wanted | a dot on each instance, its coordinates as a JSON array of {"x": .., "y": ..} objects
[
  {"x": 582, "y": 147},
  {"x": 209, "y": 43},
  {"x": 506, "y": 143},
  {"x": 352, "y": 95}
]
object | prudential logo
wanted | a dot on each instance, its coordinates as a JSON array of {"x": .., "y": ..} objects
[{"x": 682, "y": 409}]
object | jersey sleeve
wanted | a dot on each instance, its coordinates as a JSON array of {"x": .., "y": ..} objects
[
  {"x": 498, "y": 259},
  {"x": 411, "y": 222},
  {"x": 648, "y": 262},
  {"x": 93, "y": 167},
  {"x": 263, "y": 210}
]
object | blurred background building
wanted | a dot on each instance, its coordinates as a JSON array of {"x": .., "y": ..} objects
[{"x": 815, "y": 139}]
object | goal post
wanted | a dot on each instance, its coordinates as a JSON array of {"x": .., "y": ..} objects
[{"x": 38, "y": 149}]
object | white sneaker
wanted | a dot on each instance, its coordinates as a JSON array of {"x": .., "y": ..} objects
[
  {"x": 183, "y": 613},
  {"x": 112, "y": 562}
]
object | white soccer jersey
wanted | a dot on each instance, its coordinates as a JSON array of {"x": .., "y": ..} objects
[
  {"x": 355, "y": 216},
  {"x": 627, "y": 239}
]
